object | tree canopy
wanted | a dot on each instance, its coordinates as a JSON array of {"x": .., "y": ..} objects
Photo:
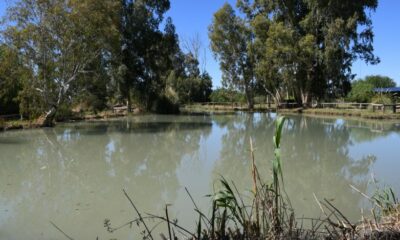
[
  {"x": 300, "y": 48},
  {"x": 362, "y": 89},
  {"x": 56, "y": 54}
]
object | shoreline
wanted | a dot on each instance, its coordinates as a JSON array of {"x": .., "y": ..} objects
[
  {"x": 329, "y": 112},
  {"x": 9, "y": 125},
  {"x": 360, "y": 114}
]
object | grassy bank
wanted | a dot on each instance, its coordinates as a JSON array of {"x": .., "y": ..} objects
[
  {"x": 358, "y": 113},
  {"x": 17, "y": 124},
  {"x": 366, "y": 114},
  {"x": 228, "y": 107},
  {"x": 7, "y": 125}
]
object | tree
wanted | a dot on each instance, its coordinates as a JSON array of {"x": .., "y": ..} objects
[
  {"x": 205, "y": 88},
  {"x": 378, "y": 81},
  {"x": 220, "y": 95},
  {"x": 305, "y": 48},
  {"x": 98, "y": 86},
  {"x": 146, "y": 61},
  {"x": 362, "y": 90},
  {"x": 57, "y": 42},
  {"x": 231, "y": 41},
  {"x": 190, "y": 85},
  {"x": 12, "y": 74}
]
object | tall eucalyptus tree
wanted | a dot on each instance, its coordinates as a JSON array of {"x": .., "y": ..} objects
[
  {"x": 231, "y": 41},
  {"x": 58, "y": 41},
  {"x": 304, "y": 48}
]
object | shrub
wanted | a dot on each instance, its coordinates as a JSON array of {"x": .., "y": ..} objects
[
  {"x": 63, "y": 113},
  {"x": 164, "y": 105},
  {"x": 361, "y": 92},
  {"x": 381, "y": 99},
  {"x": 226, "y": 95}
]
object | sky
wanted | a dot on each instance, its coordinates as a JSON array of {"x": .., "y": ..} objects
[{"x": 192, "y": 17}]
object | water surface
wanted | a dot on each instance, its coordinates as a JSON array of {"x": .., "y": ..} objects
[{"x": 73, "y": 174}]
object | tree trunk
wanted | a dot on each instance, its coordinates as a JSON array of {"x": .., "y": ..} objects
[
  {"x": 47, "y": 119},
  {"x": 249, "y": 98},
  {"x": 276, "y": 97},
  {"x": 129, "y": 101},
  {"x": 304, "y": 98}
]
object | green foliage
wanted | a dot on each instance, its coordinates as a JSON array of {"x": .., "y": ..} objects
[
  {"x": 231, "y": 41},
  {"x": 97, "y": 52},
  {"x": 224, "y": 95},
  {"x": 228, "y": 204},
  {"x": 12, "y": 74},
  {"x": 386, "y": 200},
  {"x": 362, "y": 89},
  {"x": 379, "y": 81},
  {"x": 300, "y": 48},
  {"x": 164, "y": 105},
  {"x": 63, "y": 113},
  {"x": 381, "y": 99},
  {"x": 190, "y": 85},
  {"x": 59, "y": 43},
  {"x": 148, "y": 54},
  {"x": 31, "y": 104},
  {"x": 93, "y": 52},
  {"x": 361, "y": 92},
  {"x": 227, "y": 199}
]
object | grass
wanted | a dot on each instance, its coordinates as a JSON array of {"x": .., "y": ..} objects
[
  {"x": 16, "y": 124},
  {"x": 227, "y": 107},
  {"x": 359, "y": 113},
  {"x": 28, "y": 124},
  {"x": 367, "y": 114}
]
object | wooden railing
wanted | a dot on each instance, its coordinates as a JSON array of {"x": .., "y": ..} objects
[
  {"x": 335, "y": 105},
  {"x": 375, "y": 107},
  {"x": 344, "y": 105}
]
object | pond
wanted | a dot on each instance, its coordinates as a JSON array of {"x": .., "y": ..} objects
[{"x": 73, "y": 174}]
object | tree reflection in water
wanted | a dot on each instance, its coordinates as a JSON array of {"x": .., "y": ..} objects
[
  {"x": 315, "y": 155},
  {"x": 73, "y": 174}
]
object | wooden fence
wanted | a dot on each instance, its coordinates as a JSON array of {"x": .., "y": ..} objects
[
  {"x": 332, "y": 105},
  {"x": 373, "y": 106}
]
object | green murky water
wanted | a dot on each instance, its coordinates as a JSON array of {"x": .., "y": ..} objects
[{"x": 73, "y": 175}]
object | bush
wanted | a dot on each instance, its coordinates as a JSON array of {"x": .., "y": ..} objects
[
  {"x": 381, "y": 99},
  {"x": 63, "y": 113},
  {"x": 361, "y": 92},
  {"x": 31, "y": 105},
  {"x": 225, "y": 95},
  {"x": 164, "y": 105}
]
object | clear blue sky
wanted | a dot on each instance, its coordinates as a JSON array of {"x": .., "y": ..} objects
[{"x": 193, "y": 17}]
